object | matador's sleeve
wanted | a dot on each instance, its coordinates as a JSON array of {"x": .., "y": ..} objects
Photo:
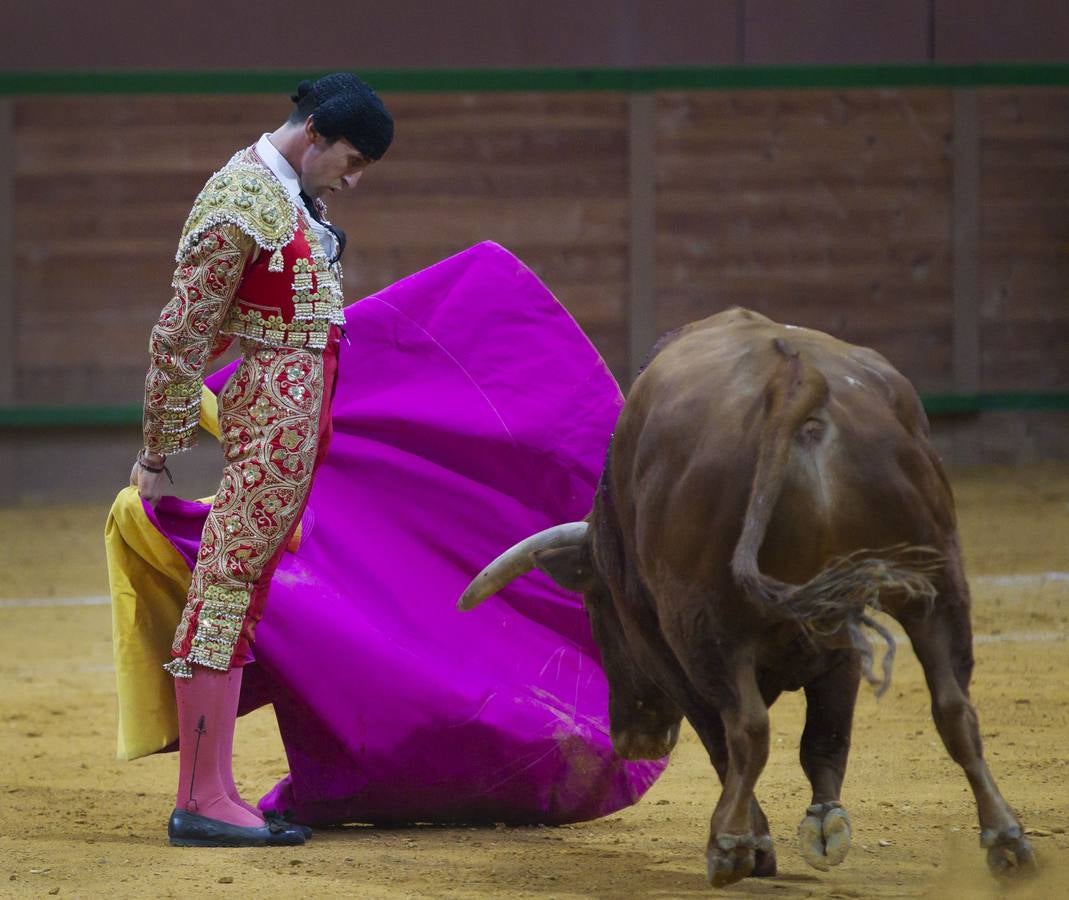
[{"x": 187, "y": 334}]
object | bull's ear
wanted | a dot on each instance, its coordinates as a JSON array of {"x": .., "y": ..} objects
[{"x": 570, "y": 567}]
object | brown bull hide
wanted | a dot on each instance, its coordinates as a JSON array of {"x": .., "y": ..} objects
[{"x": 765, "y": 486}]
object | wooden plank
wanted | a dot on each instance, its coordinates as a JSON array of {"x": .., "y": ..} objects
[
  {"x": 84, "y": 385},
  {"x": 642, "y": 326},
  {"x": 8, "y": 318},
  {"x": 1024, "y": 228},
  {"x": 824, "y": 209},
  {"x": 966, "y": 350},
  {"x": 1026, "y": 355}
]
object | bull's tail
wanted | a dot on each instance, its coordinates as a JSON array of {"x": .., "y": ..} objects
[
  {"x": 843, "y": 592},
  {"x": 839, "y": 595}
]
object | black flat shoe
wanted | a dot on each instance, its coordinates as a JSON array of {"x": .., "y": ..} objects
[
  {"x": 186, "y": 829},
  {"x": 275, "y": 816}
]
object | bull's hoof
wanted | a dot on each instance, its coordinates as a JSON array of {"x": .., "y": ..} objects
[
  {"x": 764, "y": 865},
  {"x": 824, "y": 835},
  {"x": 732, "y": 857},
  {"x": 1009, "y": 852}
]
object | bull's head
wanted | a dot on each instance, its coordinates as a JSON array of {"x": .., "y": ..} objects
[{"x": 644, "y": 723}]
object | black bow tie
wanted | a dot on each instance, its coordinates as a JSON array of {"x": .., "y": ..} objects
[{"x": 339, "y": 235}]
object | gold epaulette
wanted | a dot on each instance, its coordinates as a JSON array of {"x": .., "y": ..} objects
[{"x": 245, "y": 194}]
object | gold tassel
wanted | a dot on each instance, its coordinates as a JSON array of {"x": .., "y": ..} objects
[{"x": 276, "y": 263}]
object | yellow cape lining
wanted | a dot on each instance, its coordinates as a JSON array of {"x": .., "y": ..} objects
[{"x": 149, "y": 581}]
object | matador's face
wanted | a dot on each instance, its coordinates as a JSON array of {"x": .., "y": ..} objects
[{"x": 330, "y": 166}]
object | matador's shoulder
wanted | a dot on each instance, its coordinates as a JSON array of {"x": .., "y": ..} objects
[{"x": 245, "y": 194}]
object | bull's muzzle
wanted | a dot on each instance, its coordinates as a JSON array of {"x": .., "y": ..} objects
[{"x": 644, "y": 745}]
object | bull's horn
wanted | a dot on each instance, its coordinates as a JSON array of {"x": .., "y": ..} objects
[{"x": 518, "y": 560}]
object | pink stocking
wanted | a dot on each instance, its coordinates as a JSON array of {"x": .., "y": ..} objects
[
  {"x": 205, "y": 735},
  {"x": 230, "y": 713}
]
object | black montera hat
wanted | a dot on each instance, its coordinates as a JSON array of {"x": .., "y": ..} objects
[{"x": 345, "y": 107}]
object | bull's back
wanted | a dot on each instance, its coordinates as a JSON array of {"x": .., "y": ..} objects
[{"x": 859, "y": 472}]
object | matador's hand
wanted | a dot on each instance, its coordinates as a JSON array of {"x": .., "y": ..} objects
[{"x": 150, "y": 485}]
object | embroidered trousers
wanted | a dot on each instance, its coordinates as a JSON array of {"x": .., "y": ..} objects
[{"x": 274, "y": 415}]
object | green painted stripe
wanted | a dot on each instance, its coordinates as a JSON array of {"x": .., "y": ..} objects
[
  {"x": 25, "y": 417},
  {"x": 68, "y": 416},
  {"x": 970, "y": 403},
  {"x": 452, "y": 80}
]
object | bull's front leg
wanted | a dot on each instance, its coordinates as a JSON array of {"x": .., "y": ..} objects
[
  {"x": 824, "y": 833},
  {"x": 710, "y": 728},
  {"x": 942, "y": 641},
  {"x": 731, "y": 853}
]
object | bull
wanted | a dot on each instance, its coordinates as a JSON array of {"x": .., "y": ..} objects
[{"x": 768, "y": 487}]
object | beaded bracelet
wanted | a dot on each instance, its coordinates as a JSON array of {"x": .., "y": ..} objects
[{"x": 144, "y": 465}]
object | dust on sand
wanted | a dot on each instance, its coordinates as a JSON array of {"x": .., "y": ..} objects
[{"x": 74, "y": 822}]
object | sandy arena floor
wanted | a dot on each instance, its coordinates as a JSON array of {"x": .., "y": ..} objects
[{"x": 74, "y": 822}]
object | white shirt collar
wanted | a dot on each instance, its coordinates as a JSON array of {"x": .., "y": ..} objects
[{"x": 277, "y": 163}]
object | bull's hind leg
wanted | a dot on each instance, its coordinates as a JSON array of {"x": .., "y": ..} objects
[
  {"x": 824, "y": 833},
  {"x": 942, "y": 641}
]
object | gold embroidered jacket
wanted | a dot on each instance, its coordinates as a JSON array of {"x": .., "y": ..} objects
[{"x": 250, "y": 266}]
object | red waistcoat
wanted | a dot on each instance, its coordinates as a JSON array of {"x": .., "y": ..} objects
[{"x": 289, "y": 294}]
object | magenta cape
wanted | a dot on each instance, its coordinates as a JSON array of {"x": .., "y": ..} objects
[{"x": 471, "y": 411}]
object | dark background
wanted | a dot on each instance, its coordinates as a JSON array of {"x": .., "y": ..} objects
[{"x": 893, "y": 171}]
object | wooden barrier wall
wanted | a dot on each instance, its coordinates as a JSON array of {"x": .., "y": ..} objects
[
  {"x": 825, "y": 209},
  {"x": 103, "y": 185},
  {"x": 837, "y": 209},
  {"x": 1023, "y": 294}
]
